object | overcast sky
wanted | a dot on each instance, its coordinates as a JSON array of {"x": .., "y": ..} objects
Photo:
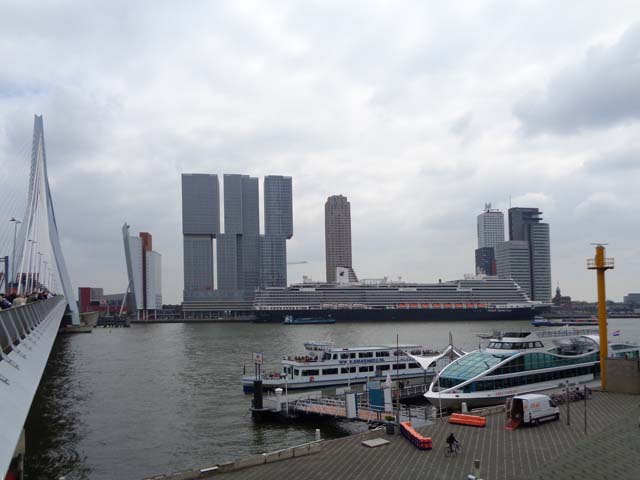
[{"x": 419, "y": 113}]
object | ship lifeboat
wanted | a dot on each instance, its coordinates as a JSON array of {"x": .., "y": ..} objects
[
  {"x": 426, "y": 305},
  {"x": 414, "y": 305},
  {"x": 436, "y": 305},
  {"x": 459, "y": 305},
  {"x": 447, "y": 305}
]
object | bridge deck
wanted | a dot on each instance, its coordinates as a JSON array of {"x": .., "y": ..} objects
[{"x": 26, "y": 336}]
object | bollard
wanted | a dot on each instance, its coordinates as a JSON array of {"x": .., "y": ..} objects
[
  {"x": 464, "y": 407},
  {"x": 476, "y": 468},
  {"x": 257, "y": 394},
  {"x": 317, "y": 434}
]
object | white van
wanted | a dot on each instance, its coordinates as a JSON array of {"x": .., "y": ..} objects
[{"x": 533, "y": 408}]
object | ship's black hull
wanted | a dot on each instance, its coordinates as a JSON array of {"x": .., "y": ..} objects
[{"x": 404, "y": 314}]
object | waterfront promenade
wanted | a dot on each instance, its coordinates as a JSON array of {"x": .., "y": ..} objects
[{"x": 610, "y": 449}]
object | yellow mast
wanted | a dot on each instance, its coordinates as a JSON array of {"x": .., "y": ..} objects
[{"x": 600, "y": 264}]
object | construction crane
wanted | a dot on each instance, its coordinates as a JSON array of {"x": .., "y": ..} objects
[{"x": 297, "y": 262}]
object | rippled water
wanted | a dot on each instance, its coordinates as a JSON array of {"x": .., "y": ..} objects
[{"x": 151, "y": 399}]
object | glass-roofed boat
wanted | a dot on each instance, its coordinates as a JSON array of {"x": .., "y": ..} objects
[{"x": 522, "y": 362}]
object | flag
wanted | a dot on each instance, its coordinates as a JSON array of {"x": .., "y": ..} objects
[{"x": 615, "y": 333}]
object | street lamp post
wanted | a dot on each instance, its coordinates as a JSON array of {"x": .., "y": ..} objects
[
  {"x": 45, "y": 283},
  {"x": 38, "y": 283},
  {"x": 13, "y": 258}
]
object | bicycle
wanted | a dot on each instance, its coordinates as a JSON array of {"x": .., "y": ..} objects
[{"x": 455, "y": 449}]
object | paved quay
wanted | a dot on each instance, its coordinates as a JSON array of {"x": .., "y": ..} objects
[{"x": 552, "y": 450}]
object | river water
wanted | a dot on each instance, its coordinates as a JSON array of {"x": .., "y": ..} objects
[{"x": 157, "y": 398}]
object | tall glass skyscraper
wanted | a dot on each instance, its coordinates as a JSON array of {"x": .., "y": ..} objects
[
  {"x": 246, "y": 260},
  {"x": 490, "y": 233}
]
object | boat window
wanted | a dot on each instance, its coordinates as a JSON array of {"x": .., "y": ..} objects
[
  {"x": 329, "y": 371},
  {"x": 344, "y": 355},
  {"x": 494, "y": 345},
  {"x": 365, "y": 354},
  {"x": 352, "y": 355},
  {"x": 335, "y": 356},
  {"x": 383, "y": 367},
  {"x": 296, "y": 372},
  {"x": 310, "y": 372},
  {"x": 506, "y": 346},
  {"x": 414, "y": 365},
  {"x": 346, "y": 370},
  {"x": 399, "y": 366},
  {"x": 538, "y": 344},
  {"x": 382, "y": 354},
  {"x": 326, "y": 356},
  {"x": 366, "y": 368}
]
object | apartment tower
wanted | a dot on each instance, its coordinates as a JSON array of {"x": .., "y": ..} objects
[{"x": 337, "y": 234}]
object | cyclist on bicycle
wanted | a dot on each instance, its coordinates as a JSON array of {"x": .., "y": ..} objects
[{"x": 451, "y": 440}]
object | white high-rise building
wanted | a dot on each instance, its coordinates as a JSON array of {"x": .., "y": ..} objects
[
  {"x": 490, "y": 227},
  {"x": 144, "y": 269}
]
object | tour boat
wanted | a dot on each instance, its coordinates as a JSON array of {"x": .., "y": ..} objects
[
  {"x": 323, "y": 365},
  {"x": 522, "y": 362}
]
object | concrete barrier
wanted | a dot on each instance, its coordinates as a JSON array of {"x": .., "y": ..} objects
[{"x": 252, "y": 461}]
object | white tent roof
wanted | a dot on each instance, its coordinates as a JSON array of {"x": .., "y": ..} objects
[{"x": 429, "y": 362}]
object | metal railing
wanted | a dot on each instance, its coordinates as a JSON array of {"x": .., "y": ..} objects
[{"x": 17, "y": 324}]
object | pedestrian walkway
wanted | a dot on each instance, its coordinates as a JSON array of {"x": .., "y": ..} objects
[{"x": 610, "y": 449}]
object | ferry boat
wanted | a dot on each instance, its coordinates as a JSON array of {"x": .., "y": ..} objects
[
  {"x": 291, "y": 320},
  {"x": 522, "y": 362},
  {"x": 323, "y": 365}
]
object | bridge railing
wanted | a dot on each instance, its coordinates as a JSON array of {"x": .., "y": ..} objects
[{"x": 17, "y": 323}]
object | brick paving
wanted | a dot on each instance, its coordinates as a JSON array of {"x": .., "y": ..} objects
[{"x": 552, "y": 450}]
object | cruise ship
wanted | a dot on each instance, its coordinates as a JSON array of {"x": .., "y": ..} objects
[
  {"x": 473, "y": 298},
  {"x": 523, "y": 362}
]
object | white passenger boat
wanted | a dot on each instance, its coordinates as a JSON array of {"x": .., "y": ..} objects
[
  {"x": 522, "y": 362},
  {"x": 323, "y": 365}
]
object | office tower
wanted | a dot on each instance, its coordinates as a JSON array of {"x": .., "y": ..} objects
[
  {"x": 238, "y": 247},
  {"x": 200, "y": 224},
  {"x": 525, "y": 224},
  {"x": 337, "y": 234},
  {"x": 486, "y": 261},
  {"x": 144, "y": 272},
  {"x": 490, "y": 227},
  {"x": 512, "y": 261},
  {"x": 278, "y": 227}
]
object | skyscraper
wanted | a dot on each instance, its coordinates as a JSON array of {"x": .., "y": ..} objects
[
  {"x": 144, "y": 271},
  {"x": 246, "y": 260},
  {"x": 490, "y": 233},
  {"x": 200, "y": 224},
  {"x": 337, "y": 234},
  {"x": 525, "y": 226},
  {"x": 512, "y": 261},
  {"x": 278, "y": 228},
  {"x": 238, "y": 247}
]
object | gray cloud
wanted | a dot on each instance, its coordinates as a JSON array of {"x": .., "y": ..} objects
[
  {"x": 601, "y": 91},
  {"x": 363, "y": 100}
]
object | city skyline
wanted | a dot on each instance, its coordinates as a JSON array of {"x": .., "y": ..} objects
[{"x": 417, "y": 164}]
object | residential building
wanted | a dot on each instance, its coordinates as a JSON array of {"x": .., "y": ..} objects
[
  {"x": 337, "y": 234},
  {"x": 144, "y": 270}
]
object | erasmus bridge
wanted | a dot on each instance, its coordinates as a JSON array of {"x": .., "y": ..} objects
[{"x": 31, "y": 266}]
